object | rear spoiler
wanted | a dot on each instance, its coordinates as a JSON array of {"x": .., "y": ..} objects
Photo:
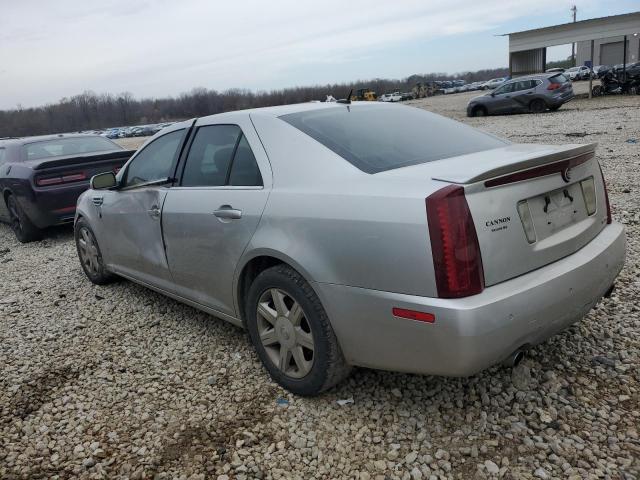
[
  {"x": 570, "y": 154},
  {"x": 81, "y": 159}
]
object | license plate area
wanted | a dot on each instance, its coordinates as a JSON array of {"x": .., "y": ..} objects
[{"x": 557, "y": 209}]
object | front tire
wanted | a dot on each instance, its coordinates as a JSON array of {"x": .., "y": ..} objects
[
  {"x": 292, "y": 334},
  {"x": 23, "y": 228},
  {"x": 90, "y": 255},
  {"x": 479, "y": 112}
]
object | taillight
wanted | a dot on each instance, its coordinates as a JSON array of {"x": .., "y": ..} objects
[
  {"x": 60, "y": 179},
  {"x": 454, "y": 244},
  {"x": 606, "y": 196},
  {"x": 554, "y": 86}
]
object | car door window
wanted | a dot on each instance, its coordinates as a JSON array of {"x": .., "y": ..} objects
[
  {"x": 244, "y": 170},
  {"x": 210, "y": 156},
  {"x": 220, "y": 155},
  {"x": 508, "y": 88},
  {"x": 155, "y": 161}
]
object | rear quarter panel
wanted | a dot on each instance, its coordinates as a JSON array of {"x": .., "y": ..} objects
[{"x": 338, "y": 224}]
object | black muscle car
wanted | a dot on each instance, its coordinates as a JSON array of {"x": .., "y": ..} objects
[{"x": 42, "y": 177}]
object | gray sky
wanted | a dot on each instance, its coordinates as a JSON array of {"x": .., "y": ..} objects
[{"x": 51, "y": 49}]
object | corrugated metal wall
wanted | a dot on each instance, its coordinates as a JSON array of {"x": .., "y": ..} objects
[{"x": 527, "y": 61}]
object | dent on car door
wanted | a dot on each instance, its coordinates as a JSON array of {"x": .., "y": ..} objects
[
  {"x": 209, "y": 219},
  {"x": 129, "y": 225}
]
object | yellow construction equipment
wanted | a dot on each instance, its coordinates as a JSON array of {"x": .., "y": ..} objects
[{"x": 364, "y": 95}]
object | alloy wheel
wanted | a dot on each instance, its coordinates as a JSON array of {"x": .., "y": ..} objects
[
  {"x": 89, "y": 251},
  {"x": 285, "y": 333}
]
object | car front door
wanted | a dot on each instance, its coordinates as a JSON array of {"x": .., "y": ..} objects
[
  {"x": 502, "y": 101},
  {"x": 130, "y": 216},
  {"x": 210, "y": 217}
]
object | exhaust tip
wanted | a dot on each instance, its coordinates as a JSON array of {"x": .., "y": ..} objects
[
  {"x": 514, "y": 359},
  {"x": 517, "y": 358}
]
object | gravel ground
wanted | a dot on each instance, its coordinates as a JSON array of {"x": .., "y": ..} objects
[{"x": 120, "y": 382}]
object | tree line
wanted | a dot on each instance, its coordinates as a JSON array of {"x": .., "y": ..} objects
[{"x": 90, "y": 111}]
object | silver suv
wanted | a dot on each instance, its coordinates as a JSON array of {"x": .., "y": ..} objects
[{"x": 533, "y": 93}]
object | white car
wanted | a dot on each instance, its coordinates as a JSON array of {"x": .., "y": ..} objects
[
  {"x": 493, "y": 83},
  {"x": 578, "y": 73},
  {"x": 391, "y": 97}
]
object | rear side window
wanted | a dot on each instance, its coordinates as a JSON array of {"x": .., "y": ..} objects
[
  {"x": 375, "y": 138},
  {"x": 220, "y": 155},
  {"x": 560, "y": 78},
  {"x": 210, "y": 156},
  {"x": 68, "y": 146}
]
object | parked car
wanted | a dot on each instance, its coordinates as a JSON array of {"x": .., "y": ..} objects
[
  {"x": 533, "y": 93},
  {"x": 42, "y": 177},
  {"x": 113, "y": 133},
  {"x": 406, "y": 96},
  {"x": 307, "y": 225},
  {"x": 493, "y": 83},
  {"x": 391, "y": 97},
  {"x": 578, "y": 73}
]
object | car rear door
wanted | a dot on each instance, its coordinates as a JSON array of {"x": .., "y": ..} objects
[
  {"x": 130, "y": 216},
  {"x": 210, "y": 217},
  {"x": 523, "y": 93}
]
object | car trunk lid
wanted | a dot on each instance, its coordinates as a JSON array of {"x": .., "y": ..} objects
[{"x": 534, "y": 208}]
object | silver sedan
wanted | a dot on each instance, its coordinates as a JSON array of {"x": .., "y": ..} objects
[{"x": 361, "y": 234}]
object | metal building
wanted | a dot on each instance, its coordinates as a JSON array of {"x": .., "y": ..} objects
[{"x": 603, "y": 41}]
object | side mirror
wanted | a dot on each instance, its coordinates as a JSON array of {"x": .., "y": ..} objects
[{"x": 103, "y": 181}]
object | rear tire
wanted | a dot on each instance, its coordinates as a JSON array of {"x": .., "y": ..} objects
[
  {"x": 292, "y": 334},
  {"x": 596, "y": 91},
  {"x": 537, "y": 106},
  {"x": 90, "y": 255},
  {"x": 23, "y": 228}
]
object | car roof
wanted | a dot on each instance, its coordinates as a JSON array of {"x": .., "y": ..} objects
[
  {"x": 536, "y": 76},
  {"x": 280, "y": 110}
]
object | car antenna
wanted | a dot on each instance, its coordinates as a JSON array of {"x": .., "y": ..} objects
[{"x": 348, "y": 99}]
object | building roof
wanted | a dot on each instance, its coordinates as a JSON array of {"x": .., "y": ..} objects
[
  {"x": 591, "y": 29},
  {"x": 578, "y": 23}
]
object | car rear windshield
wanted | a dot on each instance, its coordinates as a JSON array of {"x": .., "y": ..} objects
[
  {"x": 376, "y": 138},
  {"x": 68, "y": 146},
  {"x": 560, "y": 78}
]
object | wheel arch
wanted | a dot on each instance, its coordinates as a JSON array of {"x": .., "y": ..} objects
[{"x": 255, "y": 263}]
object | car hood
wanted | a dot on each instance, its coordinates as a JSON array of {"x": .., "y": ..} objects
[{"x": 480, "y": 98}]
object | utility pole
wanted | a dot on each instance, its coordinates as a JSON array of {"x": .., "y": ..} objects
[{"x": 574, "y": 9}]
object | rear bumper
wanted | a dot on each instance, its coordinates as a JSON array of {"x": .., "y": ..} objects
[
  {"x": 561, "y": 99},
  {"x": 473, "y": 333},
  {"x": 52, "y": 206}
]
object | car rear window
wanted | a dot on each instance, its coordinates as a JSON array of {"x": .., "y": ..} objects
[
  {"x": 560, "y": 78},
  {"x": 68, "y": 146},
  {"x": 376, "y": 138}
]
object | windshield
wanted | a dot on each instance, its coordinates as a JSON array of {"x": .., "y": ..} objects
[
  {"x": 376, "y": 138},
  {"x": 64, "y": 146}
]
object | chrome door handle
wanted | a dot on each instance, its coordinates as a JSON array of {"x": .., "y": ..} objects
[
  {"x": 228, "y": 212},
  {"x": 154, "y": 212}
]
